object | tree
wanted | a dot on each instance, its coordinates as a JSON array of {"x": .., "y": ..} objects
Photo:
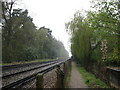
[
  {"x": 80, "y": 41},
  {"x": 104, "y": 22},
  {"x": 21, "y": 41},
  {"x": 89, "y": 31},
  {"x": 17, "y": 34}
]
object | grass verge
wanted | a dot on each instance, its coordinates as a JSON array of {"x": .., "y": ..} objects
[
  {"x": 91, "y": 80},
  {"x": 68, "y": 77},
  {"x": 40, "y": 60}
]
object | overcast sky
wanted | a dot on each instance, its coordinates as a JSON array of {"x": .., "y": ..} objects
[{"x": 54, "y": 14}]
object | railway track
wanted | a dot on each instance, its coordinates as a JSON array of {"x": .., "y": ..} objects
[{"x": 15, "y": 76}]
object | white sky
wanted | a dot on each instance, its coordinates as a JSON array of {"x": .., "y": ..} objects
[{"x": 54, "y": 14}]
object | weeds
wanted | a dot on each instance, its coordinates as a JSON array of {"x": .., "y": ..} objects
[{"x": 91, "y": 80}]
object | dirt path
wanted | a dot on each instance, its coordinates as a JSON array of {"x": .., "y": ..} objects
[{"x": 76, "y": 80}]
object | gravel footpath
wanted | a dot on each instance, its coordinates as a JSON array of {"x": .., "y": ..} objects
[{"x": 76, "y": 80}]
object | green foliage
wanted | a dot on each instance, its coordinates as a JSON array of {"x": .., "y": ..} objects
[
  {"x": 91, "y": 80},
  {"x": 67, "y": 80},
  {"x": 87, "y": 33},
  {"x": 22, "y": 41},
  {"x": 29, "y": 53},
  {"x": 104, "y": 23},
  {"x": 113, "y": 58},
  {"x": 80, "y": 41}
]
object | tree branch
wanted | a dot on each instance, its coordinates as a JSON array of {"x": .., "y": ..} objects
[
  {"x": 3, "y": 10},
  {"x": 96, "y": 46}
]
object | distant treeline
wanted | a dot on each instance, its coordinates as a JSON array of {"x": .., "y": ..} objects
[{"x": 22, "y": 41}]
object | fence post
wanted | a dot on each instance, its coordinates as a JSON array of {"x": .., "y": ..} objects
[
  {"x": 39, "y": 81},
  {"x": 60, "y": 77},
  {"x": 64, "y": 69}
]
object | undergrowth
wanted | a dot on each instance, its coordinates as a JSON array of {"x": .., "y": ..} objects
[
  {"x": 91, "y": 80},
  {"x": 68, "y": 77}
]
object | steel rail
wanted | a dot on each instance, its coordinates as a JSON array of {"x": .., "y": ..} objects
[
  {"x": 44, "y": 70},
  {"x": 42, "y": 65}
]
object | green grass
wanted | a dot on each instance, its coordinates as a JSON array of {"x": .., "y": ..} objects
[
  {"x": 68, "y": 77},
  {"x": 40, "y": 60},
  {"x": 91, "y": 80},
  {"x": 69, "y": 74}
]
